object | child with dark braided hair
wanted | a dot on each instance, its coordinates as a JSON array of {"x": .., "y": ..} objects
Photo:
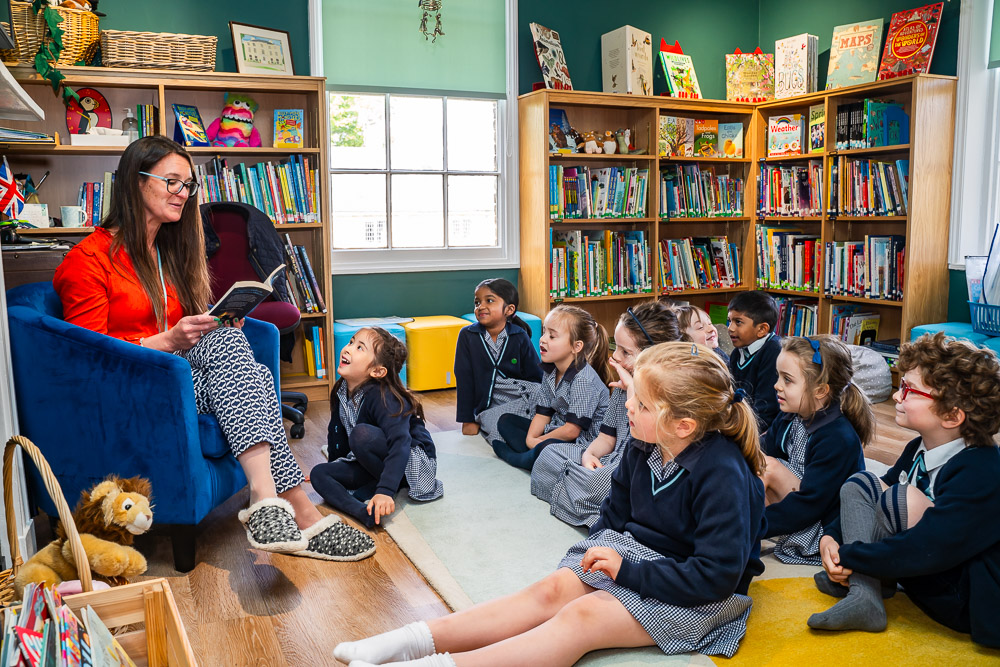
[{"x": 377, "y": 441}]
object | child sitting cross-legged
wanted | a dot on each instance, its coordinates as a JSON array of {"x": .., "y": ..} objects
[
  {"x": 930, "y": 523},
  {"x": 668, "y": 563},
  {"x": 752, "y": 318},
  {"x": 814, "y": 445},
  {"x": 377, "y": 441}
]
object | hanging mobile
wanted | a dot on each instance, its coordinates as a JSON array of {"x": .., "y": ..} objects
[{"x": 430, "y": 7}]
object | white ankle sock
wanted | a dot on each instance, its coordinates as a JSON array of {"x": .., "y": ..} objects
[
  {"x": 409, "y": 642},
  {"x": 436, "y": 660}
]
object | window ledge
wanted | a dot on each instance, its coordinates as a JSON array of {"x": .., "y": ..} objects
[{"x": 353, "y": 262}]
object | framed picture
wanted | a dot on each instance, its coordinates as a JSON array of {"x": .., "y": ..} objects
[{"x": 261, "y": 50}]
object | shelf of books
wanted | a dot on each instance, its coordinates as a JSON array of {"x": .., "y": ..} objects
[{"x": 284, "y": 176}]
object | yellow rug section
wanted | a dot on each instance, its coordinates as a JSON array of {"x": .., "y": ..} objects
[{"x": 777, "y": 633}]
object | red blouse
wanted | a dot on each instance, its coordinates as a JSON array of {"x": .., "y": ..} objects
[{"x": 106, "y": 298}]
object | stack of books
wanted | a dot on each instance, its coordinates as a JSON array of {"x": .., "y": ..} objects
[
  {"x": 690, "y": 191},
  {"x": 598, "y": 263},
  {"x": 788, "y": 259},
  {"x": 612, "y": 192},
  {"x": 790, "y": 190},
  {"x": 288, "y": 192},
  {"x": 872, "y": 268},
  {"x": 9, "y": 135},
  {"x": 699, "y": 263},
  {"x": 869, "y": 187},
  {"x": 313, "y": 340},
  {"x": 148, "y": 116},
  {"x": 95, "y": 198},
  {"x": 853, "y": 325},
  {"x": 305, "y": 289},
  {"x": 796, "y": 317},
  {"x": 889, "y": 349}
]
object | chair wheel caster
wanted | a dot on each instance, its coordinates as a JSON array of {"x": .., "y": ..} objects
[
  {"x": 301, "y": 407},
  {"x": 298, "y": 431}
]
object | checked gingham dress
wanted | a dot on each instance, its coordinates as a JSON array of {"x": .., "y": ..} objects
[
  {"x": 574, "y": 492},
  {"x": 509, "y": 395},
  {"x": 802, "y": 547}
]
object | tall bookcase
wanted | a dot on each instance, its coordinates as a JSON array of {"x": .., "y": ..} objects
[
  {"x": 69, "y": 166},
  {"x": 929, "y": 100}
]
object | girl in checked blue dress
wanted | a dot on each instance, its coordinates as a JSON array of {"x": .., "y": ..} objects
[{"x": 668, "y": 563}]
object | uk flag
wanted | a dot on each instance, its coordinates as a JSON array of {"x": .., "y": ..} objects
[{"x": 11, "y": 198}]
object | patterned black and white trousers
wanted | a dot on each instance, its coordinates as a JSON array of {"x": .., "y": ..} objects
[{"x": 239, "y": 392}]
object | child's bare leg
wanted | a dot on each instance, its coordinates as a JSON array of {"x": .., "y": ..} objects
[
  {"x": 778, "y": 480},
  {"x": 496, "y": 620},
  {"x": 916, "y": 504},
  {"x": 594, "y": 621}
]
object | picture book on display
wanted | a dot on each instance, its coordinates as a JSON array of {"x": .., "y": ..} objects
[
  {"x": 909, "y": 45},
  {"x": 817, "y": 128},
  {"x": 627, "y": 61},
  {"x": 549, "y": 51},
  {"x": 189, "y": 130},
  {"x": 795, "y": 65},
  {"x": 288, "y": 124},
  {"x": 785, "y": 134},
  {"x": 706, "y": 138},
  {"x": 731, "y": 140},
  {"x": 854, "y": 53},
  {"x": 679, "y": 72},
  {"x": 676, "y": 136},
  {"x": 749, "y": 76},
  {"x": 244, "y": 296}
]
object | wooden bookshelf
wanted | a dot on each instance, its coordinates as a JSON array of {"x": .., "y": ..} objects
[
  {"x": 930, "y": 101},
  {"x": 71, "y": 165}
]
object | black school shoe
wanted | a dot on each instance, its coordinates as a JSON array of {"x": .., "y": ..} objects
[
  {"x": 825, "y": 585},
  {"x": 332, "y": 539},
  {"x": 271, "y": 526}
]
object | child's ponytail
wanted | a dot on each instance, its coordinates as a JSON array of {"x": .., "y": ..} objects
[
  {"x": 598, "y": 357},
  {"x": 740, "y": 423},
  {"x": 583, "y": 327},
  {"x": 505, "y": 289},
  {"x": 514, "y": 319},
  {"x": 390, "y": 352},
  {"x": 858, "y": 410}
]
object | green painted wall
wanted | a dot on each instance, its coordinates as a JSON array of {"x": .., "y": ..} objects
[
  {"x": 958, "y": 297},
  {"x": 707, "y": 30}
]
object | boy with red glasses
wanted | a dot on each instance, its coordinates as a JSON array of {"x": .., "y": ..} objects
[{"x": 931, "y": 522}]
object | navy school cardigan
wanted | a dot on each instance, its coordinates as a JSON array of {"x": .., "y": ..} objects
[
  {"x": 833, "y": 454},
  {"x": 707, "y": 522},
  {"x": 377, "y": 409},
  {"x": 757, "y": 376},
  {"x": 476, "y": 373}
]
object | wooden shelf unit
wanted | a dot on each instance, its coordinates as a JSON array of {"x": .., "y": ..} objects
[
  {"x": 930, "y": 101},
  {"x": 71, "y": 165}
]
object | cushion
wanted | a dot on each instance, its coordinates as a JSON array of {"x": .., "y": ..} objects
[
  {"x": 962, "y": 330},
  {"x": 871, "y": 373}
]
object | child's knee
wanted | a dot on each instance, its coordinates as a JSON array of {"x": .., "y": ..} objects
[
  {"x": 862, "y": 484},
  {"x": 916, "y": 504},
  {"x": 365, "y": 436},
  {"x": 554, "y": 591}
]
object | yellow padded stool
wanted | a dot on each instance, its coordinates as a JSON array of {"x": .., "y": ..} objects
[{"x": 431, "y": 343}]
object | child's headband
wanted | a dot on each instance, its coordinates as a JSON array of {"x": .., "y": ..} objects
[{"x": 644, "y": 332}]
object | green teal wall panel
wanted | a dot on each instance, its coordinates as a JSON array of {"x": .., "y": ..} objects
[
  {"x": 212, "y": 18},
  {"x": 958, "y": 297},
  {"x": 410, "y": 294},
  {"x": 994, "y": 56},
  {"x": 707, "y": 30},
  {"x": 784, "y": 18}
]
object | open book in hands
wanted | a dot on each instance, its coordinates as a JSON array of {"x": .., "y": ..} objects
[{"x": 243, "y": 297}]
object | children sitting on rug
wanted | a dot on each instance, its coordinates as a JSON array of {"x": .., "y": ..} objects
[
  {"x": 496, "y": 367},
  {"x": 752, "y": 318},
  {"x": 686, "y": 512},
  {"x": 930, "y": 522},
  {"x": 697, "y": 327},
  {"x": 377, "y": 441},
  {"x": 814, "y": 445},
  {"x": 573, "y": 397},
  {"x": 574, "y": 480}
]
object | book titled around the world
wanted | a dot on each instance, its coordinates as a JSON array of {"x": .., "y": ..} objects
[
  {"x": 244, "y": 296},
  {"x": 909, "y": 45}
]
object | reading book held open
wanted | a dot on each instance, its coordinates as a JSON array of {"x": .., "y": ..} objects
[{"x": 244, "y": 296}]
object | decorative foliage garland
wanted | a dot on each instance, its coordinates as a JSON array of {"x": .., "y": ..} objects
[{"x": 50, "y": 50}]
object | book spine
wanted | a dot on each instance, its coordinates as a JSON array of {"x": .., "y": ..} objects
[
  {"x": 317, "y": 292},
  {"x": 299, "y": 276}
]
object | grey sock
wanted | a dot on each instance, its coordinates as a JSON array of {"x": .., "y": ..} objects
[
  {"x": 862, "y": 609},
  {"x": 825, "y": 585}
]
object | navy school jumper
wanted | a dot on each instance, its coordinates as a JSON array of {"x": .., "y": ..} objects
[
  {"x": 833, "y": 454},
  {"x": 476, "y": 373},
  {"x": 949, "y": 562},
  {"x": 377, "y": 409},
  {"x": 757, "y": 377},
  {"x": 707, "y": 521}
]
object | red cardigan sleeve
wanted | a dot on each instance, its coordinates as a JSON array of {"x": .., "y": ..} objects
[{"x": 82, "y": 283}]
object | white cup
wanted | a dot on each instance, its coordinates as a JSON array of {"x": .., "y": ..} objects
[{"x": 73, "y": 216}]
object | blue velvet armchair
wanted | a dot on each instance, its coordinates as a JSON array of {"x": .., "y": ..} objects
[{"x": 96, "y": 405}]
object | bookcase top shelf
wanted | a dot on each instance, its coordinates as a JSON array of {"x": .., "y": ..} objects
[
  {"x": 895, "y": 148},
  {"x": 569, "y": 222},
  {"x": 710, "y": 290},
  {"x": 573, "y": 157},
  {"x": 899, "y": 84},
  {"x": 793, "y": 158},
  {"x": 174, "y": 79},
  {"x": 696, "y": 158}
]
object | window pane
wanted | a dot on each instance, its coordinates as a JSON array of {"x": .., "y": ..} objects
[
  {"x": 472, "y": 135},
  {"x": 415, "y": 132},
  {"x": 417, "y": 211},
  {"x": 472, "y": 210},
  {"x": 357, "y": 131},
  {"x": 359, "y": 219}
]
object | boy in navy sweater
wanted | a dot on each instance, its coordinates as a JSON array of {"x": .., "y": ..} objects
[
  {"x": 930, "y": 522},
  {"x": 752, "y": 318}
]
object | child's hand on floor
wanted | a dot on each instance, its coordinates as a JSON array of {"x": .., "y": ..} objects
[
  {"x": 470, "y": 428},
  {"x": 625, "y": 378},
  {"x": 381, "y": 505},
  {"x": 590, "y": 461},
  {"x": 602, "y": 559},
  {"x": 829, "y": 551}
]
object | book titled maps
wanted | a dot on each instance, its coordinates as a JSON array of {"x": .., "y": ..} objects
[
  {"x": 909, "y": 45},
  {"x": 785, "y": 134},
  {"x": 854, "y": 54},
  {"x": 749, "y": 76},
  {"x": 796, "y": 61},
  {"x": 549, "y": 51},
  {"x": 679, "y": 72}
]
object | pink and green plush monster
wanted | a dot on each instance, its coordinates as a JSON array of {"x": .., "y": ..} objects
[{"x": 235, "y": 125}]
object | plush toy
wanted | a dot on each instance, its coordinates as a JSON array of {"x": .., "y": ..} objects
[
  {"x": 107, "y": 518},
  {"x": 577, "y": 140},
  {"x": 624, "y": 137},
  {"x": 609, "y": 142},
  {"x": 590, "y": 143},
  {"x": 235, "y": 127}
]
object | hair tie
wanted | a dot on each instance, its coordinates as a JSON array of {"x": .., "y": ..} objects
[
  {"x": 738, "y": 395},
  {"x": 644, "y": 332},
  {"x": 817, "y": 357}
]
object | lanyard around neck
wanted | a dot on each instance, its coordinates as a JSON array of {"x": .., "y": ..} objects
[{"x": 163, "y": 284}]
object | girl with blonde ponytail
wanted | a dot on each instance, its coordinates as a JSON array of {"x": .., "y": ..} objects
[{"x": 814, "y": 444}]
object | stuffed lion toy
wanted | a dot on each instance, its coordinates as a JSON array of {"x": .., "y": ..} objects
[{"x": 108, "y": 517}]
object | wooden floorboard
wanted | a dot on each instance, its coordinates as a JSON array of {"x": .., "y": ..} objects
[{"x": 245, "y": 607}]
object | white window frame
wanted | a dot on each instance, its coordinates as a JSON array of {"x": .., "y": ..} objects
[
  {"x": 975, "y": 203},
  {"x": 506, "y": 255}
]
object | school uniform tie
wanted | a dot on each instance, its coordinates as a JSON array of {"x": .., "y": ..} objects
[{"x": 922, "y": 479}]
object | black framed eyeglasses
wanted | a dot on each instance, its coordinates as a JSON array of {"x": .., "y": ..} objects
[
  {"x": 175, "y": 185},
  {"x": 905, "y": 389}
]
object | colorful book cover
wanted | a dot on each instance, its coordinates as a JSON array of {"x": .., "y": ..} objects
[
  {"x": 189, "y": 130},
  {"x": 679, "y": 72},
  {"x": 784, "y": 135},
  {"x": 854, "y": 53},
  {"x": 749, "y": 77},
  {"x": 817, "y": 128},
  {"x": 549, "y": 51},
  {"x": 676, "y": 136},
  {"x": 288, "y": 124},
  {"x": 731, "y": 140},
  {"x": 706, "y": 138},
  {"x": 793, "y": 65},
  {"x": 909, "y": 45},
  {"x": 627, "y": 61}
]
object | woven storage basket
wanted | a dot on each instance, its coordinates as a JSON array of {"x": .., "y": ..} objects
[
  {"x": 157, "y": 50},
  {"x": 80, "y": 32}
]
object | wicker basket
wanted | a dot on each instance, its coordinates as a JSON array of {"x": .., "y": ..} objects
[
  {"x": 80, "y": 32},
  {"x": 158, "y": 50}
]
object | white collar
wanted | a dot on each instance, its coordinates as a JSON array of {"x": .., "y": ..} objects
[
  {"x": 937, "y": 457},
  {"x": 754, "y": 347}
]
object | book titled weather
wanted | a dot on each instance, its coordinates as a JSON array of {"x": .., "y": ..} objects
[
  {"x": 189, "y": 129},
  {"x": 288, "y": 125},
  {"x": 854, "y": 53},
  {"x": 784, "y": 135},
  {"x": 909, "y": 45}
]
